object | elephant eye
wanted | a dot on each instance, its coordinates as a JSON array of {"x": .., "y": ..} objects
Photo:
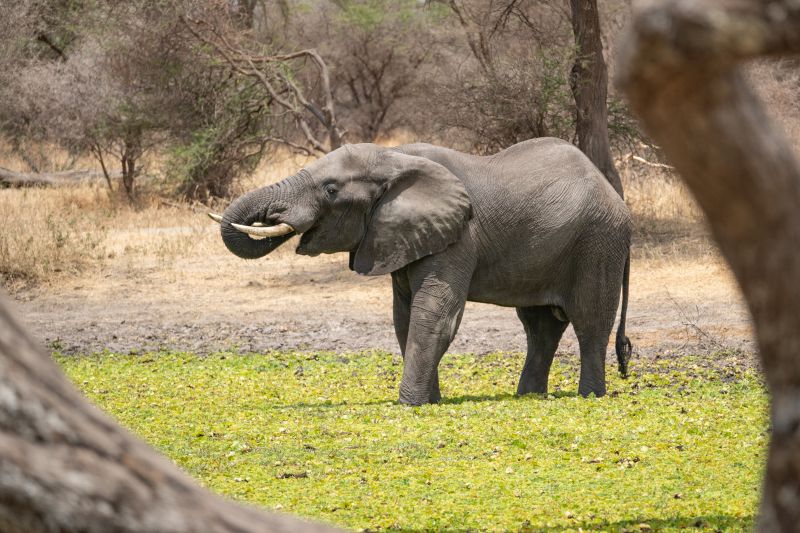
[{"x": 330, "y": 190}]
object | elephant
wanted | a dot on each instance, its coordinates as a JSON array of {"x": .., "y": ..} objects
[{"x": 535, "y": 226}]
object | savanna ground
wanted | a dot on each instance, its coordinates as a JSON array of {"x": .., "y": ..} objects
[{"x": 275, "y": 381}]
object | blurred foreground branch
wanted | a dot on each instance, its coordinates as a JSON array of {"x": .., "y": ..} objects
[
  {"x": 680, "y": 70},
  {"x": 66, "y": 466}
]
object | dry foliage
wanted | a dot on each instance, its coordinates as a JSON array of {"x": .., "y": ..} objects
[{"x": 124, "y": 83}]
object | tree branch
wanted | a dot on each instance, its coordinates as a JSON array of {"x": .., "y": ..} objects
[{"x": 252, "y": 66}]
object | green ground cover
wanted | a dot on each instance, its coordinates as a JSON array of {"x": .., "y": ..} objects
[{"x": 679, "y": 446}]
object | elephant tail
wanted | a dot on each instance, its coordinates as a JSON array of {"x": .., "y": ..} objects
[{"x": 623, "y": 343}]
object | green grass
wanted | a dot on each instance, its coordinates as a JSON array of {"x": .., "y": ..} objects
[{"x": 678, "y": 446}]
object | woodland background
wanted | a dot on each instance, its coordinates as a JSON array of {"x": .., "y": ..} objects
[{"x": 194, "y": 95}]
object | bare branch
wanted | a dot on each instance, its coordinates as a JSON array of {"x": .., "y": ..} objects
[
  {"x": 642, "y": 160},
  {"x": 252, "y": 66},
  {"x": 294, "y": 146},
  {"x": 98, "y": 152}
]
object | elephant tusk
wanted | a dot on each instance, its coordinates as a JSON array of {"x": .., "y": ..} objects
[
  {"x": 259, "y": 230},
  {"x": 216, "y": 218}
]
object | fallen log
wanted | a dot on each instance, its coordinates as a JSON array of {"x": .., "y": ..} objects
[{"x": 13, "y": 178}]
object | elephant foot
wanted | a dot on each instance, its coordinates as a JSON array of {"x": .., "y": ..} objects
[
  {"x": 415, "y": 403},
  {"x": 531, "y": 388},
  {"x": 530, "y": 383},
  {"x": 587, "y": 390},
  {"x": 419, "y": 398}
]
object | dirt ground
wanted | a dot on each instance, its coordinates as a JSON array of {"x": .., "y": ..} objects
[{"x": 202, "y": 299}]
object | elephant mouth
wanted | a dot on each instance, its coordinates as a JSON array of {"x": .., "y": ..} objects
[{"x": 305, "y": 239}]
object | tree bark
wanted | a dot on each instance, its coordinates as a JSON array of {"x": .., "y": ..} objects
[
  {"x": 680, "y": 70},
  {"x": 589, "y": 83},
  {"x": 65, "y": 466}
]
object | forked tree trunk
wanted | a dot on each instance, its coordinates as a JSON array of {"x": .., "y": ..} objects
[
  {"x": 65, "y": 466},
  {"x": 589, "y": 83},
  {"x": 680, "y": 69}
]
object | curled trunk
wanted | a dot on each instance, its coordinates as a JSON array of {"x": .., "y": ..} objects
[{"x": 251, "y": 209}]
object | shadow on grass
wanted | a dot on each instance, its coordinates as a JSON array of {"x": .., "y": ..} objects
[
  {"x": 505, "y": 396},
  {"x": 717, "y": 522},
  {"x": 455, "y": 400}
]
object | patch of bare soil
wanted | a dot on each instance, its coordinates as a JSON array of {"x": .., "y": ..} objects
[{"x": 205, "y": 300}]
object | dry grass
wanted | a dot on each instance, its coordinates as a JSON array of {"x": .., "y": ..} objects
[
  {"x": 50, "y": 234},
  {"x": 53, "y": 234},
  {"x": 47, "y": 232},
  {"x": 668, "y": 223}
]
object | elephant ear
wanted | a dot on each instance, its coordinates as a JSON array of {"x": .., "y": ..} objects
[{"x": 422, "y": 211}]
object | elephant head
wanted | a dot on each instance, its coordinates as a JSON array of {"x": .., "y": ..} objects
[{"x": 383, "y": 206}]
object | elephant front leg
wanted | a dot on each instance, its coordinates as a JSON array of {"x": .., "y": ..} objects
[{"x": 435, "y": 314}]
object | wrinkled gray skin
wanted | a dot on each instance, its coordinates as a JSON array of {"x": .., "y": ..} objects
[{"x": 536, "y": 227}]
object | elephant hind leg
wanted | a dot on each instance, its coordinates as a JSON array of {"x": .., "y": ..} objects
[
  {"x": 593, "y": 346},
  {"x": 544, "y": 330},
  {"x": 593, "y": 330},
  {"x": 593, "y": 304}
]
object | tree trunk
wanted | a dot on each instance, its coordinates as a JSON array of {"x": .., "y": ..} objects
[
  {"x": 65, "y": 466},
  {"x": 98, "y": 153},
  {"x": 680, "y": 71},
  {"x": 589, "y": 83},
  {"x": 128, "y": 175}
]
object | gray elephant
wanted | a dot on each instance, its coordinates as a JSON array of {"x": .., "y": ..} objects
[{"x": 536, "y": 227}]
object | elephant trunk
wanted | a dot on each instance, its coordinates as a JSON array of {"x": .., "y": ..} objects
[{"x": 252, "y": 209}]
